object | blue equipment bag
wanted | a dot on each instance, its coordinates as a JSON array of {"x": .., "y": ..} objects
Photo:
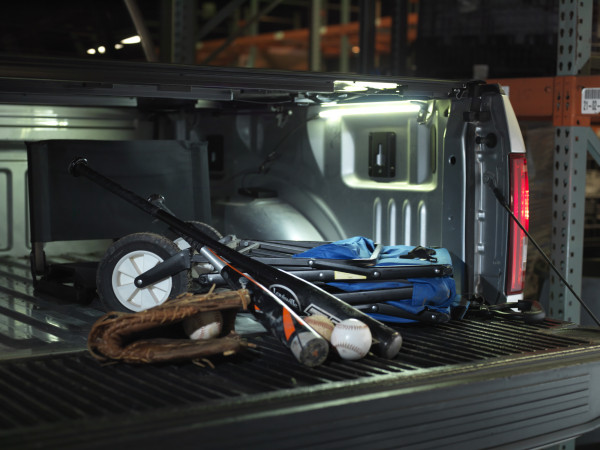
[{"x": 384, "y": 293}]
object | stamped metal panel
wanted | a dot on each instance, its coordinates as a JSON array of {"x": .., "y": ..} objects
[
  {"x": 20, "y": 123},
  {"x": 482, "y": 148},
  {"x": 321, "y": 168},
  {"x": 403, "y": 208},
  {"x": 14, "y": 223}
]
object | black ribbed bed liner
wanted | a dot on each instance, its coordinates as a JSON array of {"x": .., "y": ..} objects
[
  {"x": 529, "y": 379},
  {"x": 54, "y": 388}
]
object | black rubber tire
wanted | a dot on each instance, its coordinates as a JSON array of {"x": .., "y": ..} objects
[
  {"x": 123, "y": 260},
  {"x": 204, "y": 227}
]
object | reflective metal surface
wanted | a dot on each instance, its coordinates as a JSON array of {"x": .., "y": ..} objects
[
  {"x": 20, "y": 123},
  {"x": 31, "y": 325}
]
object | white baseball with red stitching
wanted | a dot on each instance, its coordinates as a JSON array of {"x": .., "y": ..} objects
[
  {"x": 352, "y": 339},
  {"x": 204, "y": 325},
  {"x": 321, "y": 324}
]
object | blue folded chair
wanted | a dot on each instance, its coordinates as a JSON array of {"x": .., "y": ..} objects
[{"x": 400, "y": 284}]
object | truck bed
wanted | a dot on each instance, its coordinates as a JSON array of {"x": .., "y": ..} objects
[{"x": 473, "y": 382}]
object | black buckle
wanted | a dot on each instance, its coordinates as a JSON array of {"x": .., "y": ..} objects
[{"x": 421, "y": 253}]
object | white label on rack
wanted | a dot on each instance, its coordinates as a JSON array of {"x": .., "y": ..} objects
[{"x": 590, "y": 101}]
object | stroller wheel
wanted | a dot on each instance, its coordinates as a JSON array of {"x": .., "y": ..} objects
[
  {"x": 196, "y": 269},
  {"x": 205, "y": 228},
  {"x": 128, "y": 258}
]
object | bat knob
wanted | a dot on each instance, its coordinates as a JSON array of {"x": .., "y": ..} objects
[
  {"x": 309, "y": 350},
  {"x": 75, "y": 164},
  {"x": 391, "y": 347}
]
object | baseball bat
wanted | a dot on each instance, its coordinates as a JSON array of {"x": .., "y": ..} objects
[
  {"x": 307, "y": 346},
  {"x": 301, "y": 296}
]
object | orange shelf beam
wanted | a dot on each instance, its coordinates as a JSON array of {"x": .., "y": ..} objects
[
  {"x": 558, "y": 99},
  {"x": 299, "y": 38}
]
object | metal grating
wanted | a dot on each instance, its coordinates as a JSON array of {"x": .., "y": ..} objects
[
  {"x": 48, "y": 380},
  {"x": 51, "y": 389}
]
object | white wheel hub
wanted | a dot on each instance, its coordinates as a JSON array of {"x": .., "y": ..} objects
[{"x": 129, "y": 267}]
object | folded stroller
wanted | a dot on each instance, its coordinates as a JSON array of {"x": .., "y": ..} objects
[{"x": 398, "y": 284}]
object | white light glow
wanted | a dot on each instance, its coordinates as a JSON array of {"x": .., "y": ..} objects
[
  {"x": 357, "y": 86},
  {"x": 91, "y": 51},
  {"x": 370, "y": 108},
  {"x": 131, "y": 40},
  {"x": 119, "y": 46},
  {"x": 102, "y": 49}
]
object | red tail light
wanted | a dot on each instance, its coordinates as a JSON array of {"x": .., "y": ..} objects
[{"x": 519, "y": 203}]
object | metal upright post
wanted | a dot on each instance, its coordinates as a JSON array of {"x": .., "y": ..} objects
[
  {"x": 398, "y": 51},
  {"x": 366, "y": 57},
  {"x": 315, "y": 36},
  {"x": 567, "y": 222},
  {"x": 183, "y": 32},
  {"x": 253, "y": 31},
  {"x": 573, "y": 139},
  {"x": 344, "y": 41},
  {"x": 142, "y": 30},
  {"x": 570, "y": 154}
]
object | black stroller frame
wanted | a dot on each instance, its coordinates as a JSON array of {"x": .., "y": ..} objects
[{"x": 321, "y": 271}]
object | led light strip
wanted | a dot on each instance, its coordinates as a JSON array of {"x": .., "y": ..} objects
[{"x": 370, "y": 108}]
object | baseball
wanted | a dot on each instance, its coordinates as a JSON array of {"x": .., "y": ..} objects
[
  {"x": 321, "y": 324},
  {"x": 204, "y": 325},
  {"x": 352, "y": 339}
]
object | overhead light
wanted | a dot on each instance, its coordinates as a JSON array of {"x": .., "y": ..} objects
[
  {"x": 369, "y": 109},
  {"x": 131, "y": 40},
  {"x": 358, "y": 86},
  {"x": 119, "y": 46},
  {"x": 91, "y": 51},
  {"x": 102, "y": 49}
]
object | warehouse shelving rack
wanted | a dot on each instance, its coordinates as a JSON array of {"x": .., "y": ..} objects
[{"x": 571, "y": 101}]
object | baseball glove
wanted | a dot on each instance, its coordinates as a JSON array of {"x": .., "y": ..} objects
[{"x": 156, "y": 335}]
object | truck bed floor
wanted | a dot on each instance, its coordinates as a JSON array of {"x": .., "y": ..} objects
[{"x": 479, "y": 383}]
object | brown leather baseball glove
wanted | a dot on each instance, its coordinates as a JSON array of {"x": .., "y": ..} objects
[{"x": 157, "y": 335}]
